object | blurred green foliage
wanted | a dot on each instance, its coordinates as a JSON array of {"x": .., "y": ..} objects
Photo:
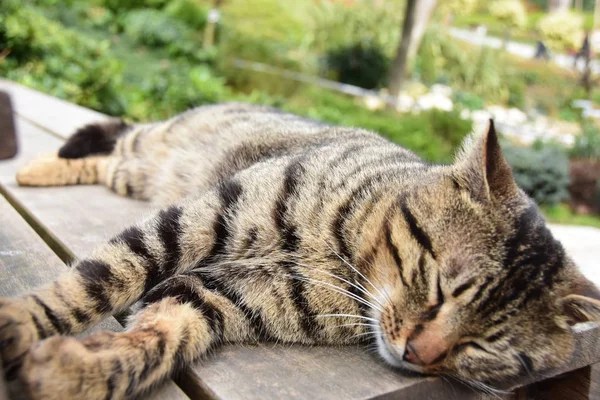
[
  {"x": 154, "y": 28},
  {"x": 46, "y": 55},
  {"x": 190, "y": 12},
  {"x": 434, "y": 135},
  {"x": 587, "y": 145},
  {"x": 542, "y": 171}
]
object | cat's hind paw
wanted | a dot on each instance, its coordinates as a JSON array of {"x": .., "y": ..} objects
[
  {"x": 62, "y": 367},
  {"x": 17, "y": 334}
]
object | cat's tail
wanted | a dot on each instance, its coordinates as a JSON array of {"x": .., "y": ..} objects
[{"x": 83, "y": 159}]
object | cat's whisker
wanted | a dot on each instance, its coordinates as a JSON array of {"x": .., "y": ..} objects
[
  {"x": 356, "y": 324},
  {"x": 355, "y": 270},
  {"x": 524, "y": 365},
  {"x": 348, "y": 316},
  {"x": 360, "y": 288},
  {"x": 338, "y": 290},
  {"x": 369, "y": 334}
]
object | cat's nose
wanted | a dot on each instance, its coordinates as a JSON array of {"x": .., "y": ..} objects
[{"x": 425, "y": 349}]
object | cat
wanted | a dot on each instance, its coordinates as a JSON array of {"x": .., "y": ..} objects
[{"x": 272, "y": 227}]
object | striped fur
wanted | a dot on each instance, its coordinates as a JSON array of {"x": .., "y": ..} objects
[{"x": 277, "y": 228}]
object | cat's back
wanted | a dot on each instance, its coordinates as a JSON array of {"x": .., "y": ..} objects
[{"x": 211, "y": 143}]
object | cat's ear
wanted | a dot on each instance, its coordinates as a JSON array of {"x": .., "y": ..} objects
[
  {"x": 580, "y": 308},
  {"x": 582, "y": 303},
  {"x": 482, "y": 169}
]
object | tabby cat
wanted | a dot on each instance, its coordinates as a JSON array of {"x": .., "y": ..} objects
[{"x": 278, "y": 228}]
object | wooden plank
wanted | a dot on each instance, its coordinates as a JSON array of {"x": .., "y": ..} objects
[
  {"x": 78, "y": 218},
  {"x": 59, "y": 116}
]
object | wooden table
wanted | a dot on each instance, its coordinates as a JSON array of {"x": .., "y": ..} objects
[{"x": 44, "y": 229}]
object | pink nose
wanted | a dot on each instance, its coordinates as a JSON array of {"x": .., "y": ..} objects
[{"x": 426, "y": 348}]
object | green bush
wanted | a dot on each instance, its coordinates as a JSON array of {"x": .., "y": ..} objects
[
  {"x": 124, "y": 5},
  {"x": 360, "y": 64},
  {"x": 189, "y": 12},
  {"x": 236, "y": 46},
  {"x": 587, "y": 145},
  {"x": 468, "y": 100},
  {"x": 175, "y": 90},
  {"x": 516, "y": 93},
  {"x": 45, "y": 55},
  {"x": 154, "y": 28},
  {"x": 479, "y": 71},
  {"x": 341, "y": 24},
  {"x": 542, "y": 171}
]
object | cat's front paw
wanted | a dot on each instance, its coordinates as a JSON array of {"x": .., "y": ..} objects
[
  {"x": 17, "y": 334},
  {"x": 61, "y": 367}
]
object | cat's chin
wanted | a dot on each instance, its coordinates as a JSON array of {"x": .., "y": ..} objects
[{"x": 391, "y": 356}]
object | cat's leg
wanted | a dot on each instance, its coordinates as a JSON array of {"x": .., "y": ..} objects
[
  {"x": 180, "y": 321},
  {"x": 96, "y": 153},
  {"x": 51, "y": 170},
  {"x": 112, "y": 278}
]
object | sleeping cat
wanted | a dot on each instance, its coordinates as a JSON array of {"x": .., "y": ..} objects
[{"x": 277, "y": 228}]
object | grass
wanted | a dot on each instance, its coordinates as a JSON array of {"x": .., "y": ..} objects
[{"x": 562, "y": 214}]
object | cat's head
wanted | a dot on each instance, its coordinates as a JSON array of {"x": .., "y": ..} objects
[{"x": 475, "y": 284}]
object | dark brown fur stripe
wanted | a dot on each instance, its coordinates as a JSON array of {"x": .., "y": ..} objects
[
  {"x": 97, "y": 276},
  {"x": 229, "y": 195},
  {"x": 290, "y": 244},
  {"x": 394, "y": 252},
  {"x": 183, "y": 291},
  {"x": 115, "y": 375},
  {"x": 39, "y": 328},
  {"x": 343, "y": 213},
  {"x": 80, "y": 316},
  {"x": 532, "y": 261},
  {"x": 481, "y": 289},
  {"x": 526, "y": 364},
  {"x": 59, "y": 324},
  {"x": 254, "y": 317},
  {"x": 496, "y": 336},
  {"x": 132, "y": 383},
  {"x": 464, "y": 287},
  {"x": 152, "y": 361},
  {"x": 293, "y": 173},
  {"x": 420, "y": 236},
  {"x": 168, "y": 232},
  {"x": 133, "y": 237},
  {"x": 245, "y": 155}
]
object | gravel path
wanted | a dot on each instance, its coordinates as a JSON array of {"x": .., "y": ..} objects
[
  {"x": 583, "y": 245},
  {"x": 520, "y": 49}
]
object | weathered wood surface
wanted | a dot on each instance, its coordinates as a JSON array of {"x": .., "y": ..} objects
[{"x": 75, "y": 219}]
